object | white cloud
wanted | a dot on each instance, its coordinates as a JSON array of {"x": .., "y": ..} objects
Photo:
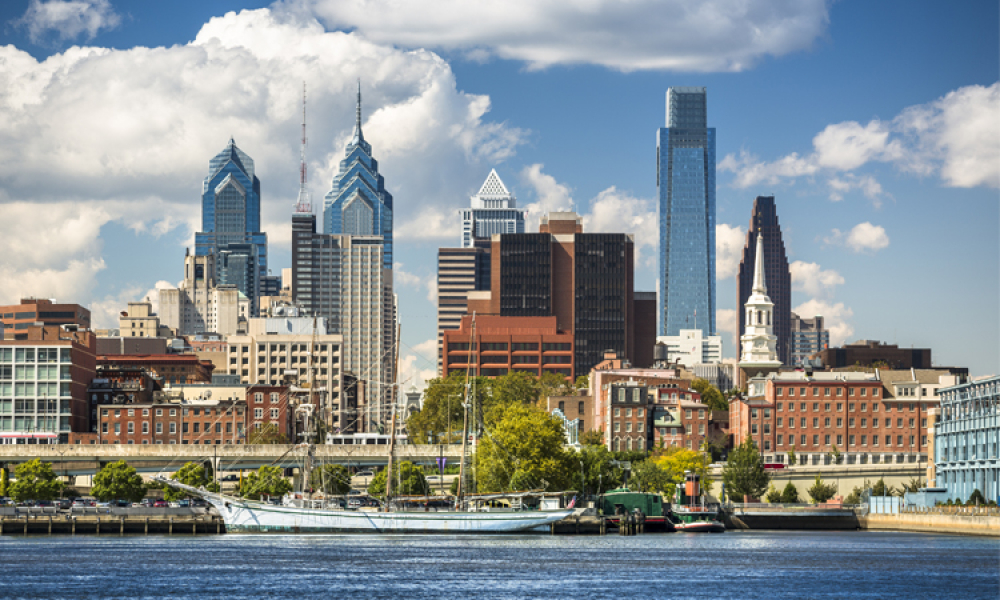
[
  {"x": 100, "y": 135},
  {"x": 813, "y": 279},
  {"x": 836, "y": 318},
  {"x": 418, "y": 365},
  {"x": 861, "y": 238},
  {"x": 726, "y": 322},
  {"x": 405, "y": 278},
  {"x": 550, "y": 195},
  {"x": 954, "y": 136},
  {"x": 614, "y": 211},
  {"x": 68, "y": 18},
  {"x": 729, "y": 242},
  {"x": 713, "y": 35}
]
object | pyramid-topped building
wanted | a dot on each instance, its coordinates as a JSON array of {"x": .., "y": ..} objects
[{"x": 493, "y": 210}]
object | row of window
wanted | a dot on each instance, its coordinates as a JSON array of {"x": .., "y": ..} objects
[
  {"x": 195, "y": 426},
  {"x": 30, "y": 355},
  {"x": 850, "y": 407},
  {"x": 790, "y": 391},
  {"x": 827, "y": 439}
]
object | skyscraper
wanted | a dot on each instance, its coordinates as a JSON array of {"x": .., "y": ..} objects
[
  {"x": 685, "y": 178},
  {"x": 358, "y": 203},
  {"x": 460, "y": 271},
  {"x": 494, "y": 210},
  {"x": 230, "y": 216},
  {"x": 764, "y": 219},
  {"x": 758, "y": 353}
]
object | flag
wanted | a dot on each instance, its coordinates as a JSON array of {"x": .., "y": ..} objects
[{"x": 572, "y": 503}]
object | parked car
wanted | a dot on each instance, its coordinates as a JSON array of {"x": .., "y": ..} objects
[
  {"x": 104, "y": 504},
  {"x": 79, "y": 503},
  {"x": 185, "y": 503},
  {"x": 198, "y": 503},
  {"x": 365, "y": 474},
  {"x": 64, "y": 503},
  {"x": 160, "y": 504},
  {"x": 354, "y": 503},
  {"x": 174, "y": 504},
  {"x": 230, "y": 478}
]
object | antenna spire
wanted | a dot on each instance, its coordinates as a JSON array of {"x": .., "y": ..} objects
[
  {"x": 358, "y": 137},
  {"x": 304, "y": 204}
]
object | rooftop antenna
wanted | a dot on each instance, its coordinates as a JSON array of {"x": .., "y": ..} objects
[{"x": 304, "y": 204}]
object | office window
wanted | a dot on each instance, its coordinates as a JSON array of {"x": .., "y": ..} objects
[
  {"x": 274, "y": 397},
  {"x": 159, "y": 428},
  {"x": 173, "y": 428},
  {"x": 131, "y": 427},
  {"x": 258, "y": 413},
  {"x": 274, "y": 414}
]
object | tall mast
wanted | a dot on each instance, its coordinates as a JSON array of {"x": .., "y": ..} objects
[
  {"x": 465, "y": 421},
  {"x": 392, "y": 424},
  {"x": 304, "y": 204}
]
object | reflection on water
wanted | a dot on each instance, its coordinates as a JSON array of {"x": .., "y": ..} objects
[{"x": 732, "y": 565}]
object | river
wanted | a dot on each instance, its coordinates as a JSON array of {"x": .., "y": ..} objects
[{"x": 745, "y": 565}]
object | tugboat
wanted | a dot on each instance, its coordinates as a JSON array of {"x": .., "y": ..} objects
[{"x": 695, "y": 516}]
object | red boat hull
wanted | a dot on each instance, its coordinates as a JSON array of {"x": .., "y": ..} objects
[{"x": 701, "y": 527}]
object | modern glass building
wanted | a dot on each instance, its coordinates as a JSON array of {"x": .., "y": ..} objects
[
  {"x": 230, "y": 216},
  {"x": 967, "y": 439},
  {"x": 685, "y": 178},
  {"x": 494, "y": 210},
  {"x": 358, "y": 203}
]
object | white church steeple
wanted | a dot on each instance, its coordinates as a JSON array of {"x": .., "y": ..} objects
[{"x": 759, "y": 353}]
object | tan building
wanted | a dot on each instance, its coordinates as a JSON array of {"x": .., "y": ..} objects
[
  {"x": 18, "y": 318},
  {"x": 199, "y": 305},
  {"x": 140, "y": 321}
]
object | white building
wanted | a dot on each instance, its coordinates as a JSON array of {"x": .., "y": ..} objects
[
  {"x": 494, "y": 210},
  {"x": 692, "y": 347},
  {"x": 759, "y": 354},
  {"x": 199, "y": 305}
]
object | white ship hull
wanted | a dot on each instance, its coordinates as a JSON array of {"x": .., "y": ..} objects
[{"x": 241, "y": 516}]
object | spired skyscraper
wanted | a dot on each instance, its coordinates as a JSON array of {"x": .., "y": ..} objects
[
  {"x": 494, "y": 210},
  {"x": 358, "y": 203},
  {"x": 685, "y": 178},
  {"x": 230, "y": 222},
  {"x": 764, "y": 223}
]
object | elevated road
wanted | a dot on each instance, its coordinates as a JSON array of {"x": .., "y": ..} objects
[{"x": 87, "y": 459}]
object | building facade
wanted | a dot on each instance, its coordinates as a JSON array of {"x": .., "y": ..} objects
[
  {"x": 967, "y": 439},
  {"x": 200, "y": 304},
  {"x": 758, "y": 344},
  {"x": 18, "y": 318},
  {"x": 493, "y": 346},
  {"x": 139, "y": 320},
  {"x": 230, "y": 222},
  {"x": 685, "y": 178},
  {"x": 867, "y": 353},
  {"x": 692, "y": 347},
  {"x": 170, "y": 369},
  {"x": 493, "y": 211},
  {"x": 460, "y": 271},
  {"x": 358, "y": 203},
  {"x": 778, "y": 278},
  {"x": 809, "y": 337}
]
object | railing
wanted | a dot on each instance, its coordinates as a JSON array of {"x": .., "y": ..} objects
[
  {"x": 741, "y": 506},
  {"x": 965, "y": 511}
]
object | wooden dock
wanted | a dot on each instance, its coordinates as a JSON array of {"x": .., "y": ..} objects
[{"x": 110, "y": 525}]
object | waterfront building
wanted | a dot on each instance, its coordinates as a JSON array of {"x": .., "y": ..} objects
[
  {"x": 758, "y": 355},
  {"x": 777, "y": 278},
  {"x": 691, "y": 347},
  {"x": 18, "y": 318},
  {"x": 459, "y": 271},
  {"x": 685, "y": 178},
  {"x": 809, "y": 337},
  {"x": 44, "y": 377},
  {"x": 967, "y": 439},
  {"x": 230, "y": 222},
  {"x": 496, "y": 345},
  {"x": 358, "y": 203},
  {"x": 200, "y": 304},
  {"x": 493, "y": 211}
]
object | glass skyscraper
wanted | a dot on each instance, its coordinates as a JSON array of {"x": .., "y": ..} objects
[
  {"x": 358, "y": 203},
  {"x": 494, "y": 210},
  {"x": 230, "y": 222},
  {"x": 685, "y": 179}
]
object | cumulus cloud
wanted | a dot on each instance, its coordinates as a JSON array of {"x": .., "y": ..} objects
[
  {"x": 402, "y": 277},
  {"x": 67, "y": 19},
  {"x": 863, "y": 237},
  {"x": 954, "y": 136},
  {"x": 714, "y": 35},
  {"x": 813, "y": 279},
  {"x": 836, "y": 318},
  {"x": 418, "y": 365},
  {"x": 729, "y": 241},
  {"x": 100, "y": 135},
  {"x": 550, "y": 195},
  {"x": 615, "y": 211},
  {"x": 726, "y": 322}
]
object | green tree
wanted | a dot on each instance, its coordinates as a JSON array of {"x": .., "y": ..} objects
[
  {"x": 439, "y": 421},
  {"x": 331, "y": 479},
  {"x": 881, "y": 489},
  {"x": 192, "y": 474},
  {"x": 676, "y": 461},
  {"x": 647, "y": 476},
  {"x": 407, "y": 480},
  {"x": 710, "y": 395},
  {"x": 594, "y": 437},
  {"x": 821, "y": 492},
  {"x": 35, "y": 481},
  {"x": 836, "y": 455},
  {"x": 599, "y": 474},
  {"x": 913, "y": 485},
  {"x": 4, "y": 481},
  {"x": 554, "y": 384},
  {"x": 525, "y": 447},
  {"x": 267, "y": 434},
  {"x": 976, "y": 498},
  {"x": 517, "y": 386},
  {"x": 773, "y": 495},
  {"x": 790, "y": 495},
  {"x": 265, "y": 481},
  {"x": 118, "y": 481},
  {"x": 792, "y": 459},
  {"x": 582, "y": 382},
  {"x": 744, "y": 473}
]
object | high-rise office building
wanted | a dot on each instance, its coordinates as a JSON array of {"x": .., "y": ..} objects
[
  {"x": 460, "y": 271},
  {"x": 685, "y": 178},
  {"x": 200, "y": 304},
  {"x": 764, "y": 219},
  {"x": 494, "y": 210},
  {"x": 809, "y": 336},
  {"x": 358, "y": 203},
  {"x": 230, "y": 222},
  {"x": 758, "y": 354}
]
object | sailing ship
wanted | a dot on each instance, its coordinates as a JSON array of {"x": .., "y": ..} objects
[{"x": 298, "y": 514}]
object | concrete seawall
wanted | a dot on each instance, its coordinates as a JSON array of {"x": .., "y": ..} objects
[{"x": 932, "y": 522}]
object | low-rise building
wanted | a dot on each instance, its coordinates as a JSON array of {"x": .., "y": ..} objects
[
  {"x": 497, "y": 345},
  {"x": 576, "y": 409},
  {"x": 140, "y": 321},
  {"x": 692, "y": 347},
  {"x": 31, "y": 312},
  {"x": 967, "y": 439},
  {"x": 169, "y": 368}
]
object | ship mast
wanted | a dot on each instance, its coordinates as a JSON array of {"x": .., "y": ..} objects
[
  {"x": 392, "y": 422},
  {"x": 465, "y": 421}
]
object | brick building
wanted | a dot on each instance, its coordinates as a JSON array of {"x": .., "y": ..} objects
[
  {"x": 119, "y": 385},
  {"x": 17, "y": 318},
  {"x": 170, "y": 368},
  {"x": 575, "y": 408},
  {"x": 503, "y": 344}
]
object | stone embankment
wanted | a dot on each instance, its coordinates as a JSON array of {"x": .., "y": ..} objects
[{"x": 958, "y": 520}]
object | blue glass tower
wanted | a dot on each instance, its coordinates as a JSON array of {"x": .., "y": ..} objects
[
  {"x": 685, "y": 179},
  {"x": 230, "y": 221},
  {"x": 358, "y": 203}
]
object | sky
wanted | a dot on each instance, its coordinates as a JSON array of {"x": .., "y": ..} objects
[{"x": 876, "y": 126}]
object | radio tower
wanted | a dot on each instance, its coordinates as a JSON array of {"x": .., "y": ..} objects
[{"x": 304, "y": 204}]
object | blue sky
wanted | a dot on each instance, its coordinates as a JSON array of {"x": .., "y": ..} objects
[{"x": 875, "y": 125}]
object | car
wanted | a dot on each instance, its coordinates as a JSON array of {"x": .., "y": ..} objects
[
  {"x": 79, "y": 503},
  {"x": 199, "y": 503},
  {"x": 63, "y": 503},
  {"x": 44, "y": 503},
  {"x": 354, "y": 503},
  {"x": 230, "y": 478},
  {"x": 365, "y": 474},
  {"x": 185, "y": 503},
  {"x": 174, "y": 504},
  {"x": 104, "y": 504},
  {"x": 160, "y": 504}
]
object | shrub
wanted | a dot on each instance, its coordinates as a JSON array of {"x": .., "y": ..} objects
[{"x": 790, "y": 495}]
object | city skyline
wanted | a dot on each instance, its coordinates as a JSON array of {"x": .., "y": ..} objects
[{"x": 861, "y": 177}]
